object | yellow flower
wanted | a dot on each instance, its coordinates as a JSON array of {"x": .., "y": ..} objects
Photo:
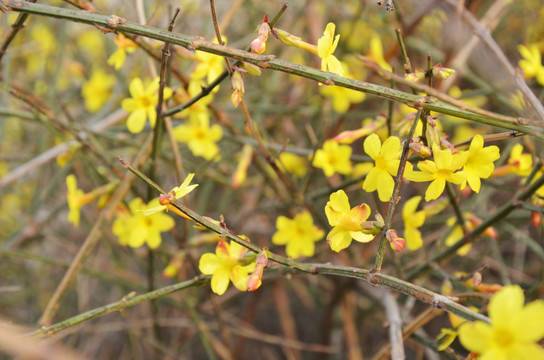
[
  {"x": 342, "y": 98},
  {"x": 513, "y": 332},
  {"x": 299, "y": 234},
  {"x": 200, "y": 137},
  {"x": 209, "y": 66},
  {"x": 76, "y": 199},
  {"x": 387, "y": 159},
  {"x": 346, "y": 222},
  {"x": 442, "y": 169},
  {"x": 175, "y": 194},
  {"x": 244, "y": 159},
  {"x": 134, "y": 229},
  {"x": 97, "y": 90},
  {"x": 325, "y": 49},
  {"x": 375, "y": 52},
  {"x": 224, "y": 266},
  {"x": 531, "y": 64},
  {"x": 520, "y": 163},
  {"x": 124, "y": 46},
  {"x": 142, "y": 104},
  {"x": 479, "y": 163},
  {"x": 333, "y": 158},
  {"x": 296, "y": 165},
  {"x": 412, "y": 221}
]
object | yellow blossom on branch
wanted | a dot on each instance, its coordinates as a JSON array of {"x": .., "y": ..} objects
[
  {"x": 76, "y": 199},
  {"x": 200, "y": 137},
  {"x": 295, "y": 164},
  {"x": 209, "y": 66},
  {"x": 225, "y": 266},
  {"x": 135, "y": 229},
  {"x": 173, "y": 195},
  {"x": 346, "y": 222},
  {"x": 514, "y": 331},
  {"x": 97, "y": 90},
  {"x": 375, "y": 53},
  {"x": 141, "y": 105},
  {"x": 387, "y": 159},
  {"x": 519, "y": 163},
  {"x": 333, "y": 158},
  {"x": 326, "y": 45},
  {"x": 298, "y": 234},
  {"x": 412, "y": 221},
  {"x": 124, "y": 46},
  {"x": 442, "y": 169},
  {"x": 342, "y": 97},
  {"x": 531, "y": 64},
  {"x": 479, "y": 164},
  {"x": 244, "y": 160}
]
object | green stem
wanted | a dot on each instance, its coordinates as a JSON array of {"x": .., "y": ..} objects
[
  {"x": 395, "y": 197},
  {"x": 270, "y": 62}
]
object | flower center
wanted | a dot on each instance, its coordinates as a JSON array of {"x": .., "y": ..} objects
[
  {"x": 503, "y": 337},
  {"x": 381, "y": 163}
]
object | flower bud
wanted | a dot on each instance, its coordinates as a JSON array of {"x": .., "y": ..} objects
[
  {"x": 258, "y": 45},
  {"x": 254, "y": 280},
  {"x": 166, "y": 199},
  {"x": 251, "y": 69},
  {"x": 238, "y": 87},
  {"x": 442, "y": 72},
  {"x": 417, "y": 76},
  {"x": 420, "y": 149},
  {"x": 536, "y": 219},
  {"x": 397, "y": 243}
]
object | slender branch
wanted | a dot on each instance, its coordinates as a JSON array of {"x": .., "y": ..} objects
[
  {"x": 395, "y": 196},
  {"x": 375, "y": 279},
  {"x": 270, "y": 62},
  {"x": 126, "y": 302}
]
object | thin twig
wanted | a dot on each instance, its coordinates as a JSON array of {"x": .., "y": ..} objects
[{"x": 270, "y": 62}]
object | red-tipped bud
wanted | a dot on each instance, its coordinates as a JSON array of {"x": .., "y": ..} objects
[
  {"x": 238, "y": 87},
  {"x": 166, "y": 199},
  {"x": 254, "y": 280},
  {"x": 442, "y": 72},
  {"x": 258, "y": 45},
  {"x": 477, "y": 279},
  {"x": 417, "y": 76},
  {"x": 397, "y": 243},
  {"x": 420, "y": 149},
  {"x": 536, "y": 218}
]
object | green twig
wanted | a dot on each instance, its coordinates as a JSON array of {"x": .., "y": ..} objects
[
  {"x": 270, "y": 62},
  {"x": 395, "y": 196}
]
